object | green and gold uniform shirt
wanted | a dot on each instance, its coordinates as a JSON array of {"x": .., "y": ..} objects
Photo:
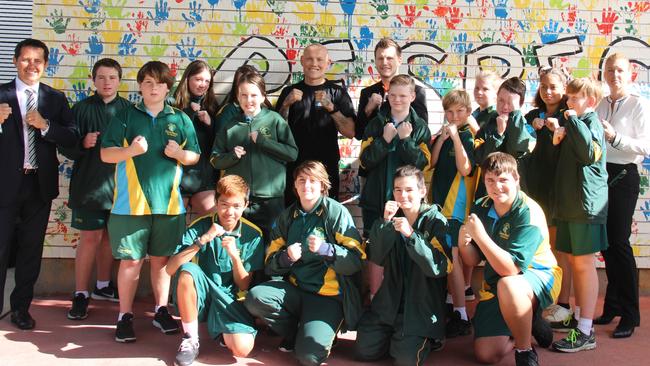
[{"x": 149, "y": 184}]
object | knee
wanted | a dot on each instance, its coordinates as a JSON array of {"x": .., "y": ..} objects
[
  {"x": 241, "y": 350},
  {"x": 486, "y": 356},
  {"x": 185, "y": 281}
]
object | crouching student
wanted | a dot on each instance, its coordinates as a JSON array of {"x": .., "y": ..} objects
[
  {"x": 509, "y": 231},
  {"x": 407, "y": 316},
  {"x": 214, "y": 263},
  {"x": 316, "y": 247}
]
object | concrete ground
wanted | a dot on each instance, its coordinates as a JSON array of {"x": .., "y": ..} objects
[{"x": 59, "y": 341}]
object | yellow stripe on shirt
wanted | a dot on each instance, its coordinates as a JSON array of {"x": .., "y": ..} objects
[
  {"x": 350, "y": 243},
  {"x": 364, "y": 144}
]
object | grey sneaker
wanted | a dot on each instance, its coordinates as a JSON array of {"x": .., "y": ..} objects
[
  {"x": 565, "y": 325},
  {"x": 164, "y": 321},
  {"x": 108, "y": 293},
  {"x": 79, "y": 310},
  {"x": 576, "y": 341},
  {"x": 188, "y": 351}
]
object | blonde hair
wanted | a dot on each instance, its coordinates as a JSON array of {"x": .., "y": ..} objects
[
  {"x": 403, "y": 80},
  {"x": 617, "y": 56},
  {"x": 589, "y": 87},
  {"x": 457, "y": 97},
  {"x": 316, "y": 170},
  {"x": 492, "y": 76}
]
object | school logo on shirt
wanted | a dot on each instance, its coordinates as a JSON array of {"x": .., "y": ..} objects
[
  {"x": 319, "y": 232},
  {"x": 171, "y": 130},
  {"x": 505, "y": 231},
  {"x": 265, "y": 131}
]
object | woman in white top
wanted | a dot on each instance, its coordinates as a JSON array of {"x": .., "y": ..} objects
[{"x": 626, "y": 121}]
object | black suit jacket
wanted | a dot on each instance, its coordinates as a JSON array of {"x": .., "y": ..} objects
[{"x": 53, "y": 106}]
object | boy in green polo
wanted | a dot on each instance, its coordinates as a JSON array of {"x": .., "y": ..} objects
[
  {"x": 453, "y": 185},
  {"x": 91, "y": 187},
  {"x": 225, "y": 250},
  {"x": 148, "y": 142},
  {"x": 508, "y": 230}
]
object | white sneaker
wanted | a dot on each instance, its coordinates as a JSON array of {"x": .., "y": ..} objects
[{"x": 556, "y": 313}]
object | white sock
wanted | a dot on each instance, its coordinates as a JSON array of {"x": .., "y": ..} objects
[
  {"x": 155, "y": 309},
  {"x": 102, "y": 284},
  {"x": 576, "y": 313},
  {"x": 585, "y": 325},
  {"x": 119, "y": 316},
  {"x": 191, "y": 328},
  {"x": 81, "y": 292},
  {"x": 523, "y": 350},
  {"x": 450, "y": 300},
  {"x": 467, "y": 286},
  {"x": 462, "y": 311}
]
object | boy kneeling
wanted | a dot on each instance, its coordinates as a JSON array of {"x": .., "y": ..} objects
[
  {"x": 509, "y": 231},
  {"x": 228, "y": 249}
]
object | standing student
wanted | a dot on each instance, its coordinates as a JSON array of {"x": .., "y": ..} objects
[
  {"x": 92, "y": 186},
  {"x": 34, "y": 119},
  {"x": 317, "y": 250},
  {"x": 396, "y": 136},
  {"x": 508, "y": 230},
  {"x": 541, "y": 167},
  {"x": 227, "y": 249},
  {"x": 149, "y": 142},
  {"x": 485, "y": 95},
  {"x": 626, "y": 121},
  {"x": 581, "y": 217},
  {"x": 256, "y": 145},
  {"x": 407, "y": 316},
  {"x": 453, "y": 185},
  {"x": 195, "y": 97},
  {"x": 317, "y": 110}
]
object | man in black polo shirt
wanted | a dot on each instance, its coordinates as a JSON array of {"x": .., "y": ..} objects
[{"x": 317, "y": 109}]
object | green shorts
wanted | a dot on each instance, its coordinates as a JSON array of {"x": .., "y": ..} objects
[
  {"x": 452, "y": 233},
  {"x": 580, "y": 239},
  {"x": 216, "y": 304},
  {"x": 488, "y": 320},
  {"x": 83, "y": 219},
  {"x": 133, "y": 237}
]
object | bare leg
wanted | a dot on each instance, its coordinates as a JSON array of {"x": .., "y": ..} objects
[
  {"x": 127, "y": 283},
  {"x": 240, "y": 344},
  {"x": 186, "y": 298},
  {"x": 516, "y": 304},
  {"x": 89, "y": 242},
  {"x": 455, "y": 280},
  {"x": 491, "y": 350},
  {"x": 586, "y": 284},
  {"x": 104, "y": 259},
  {"x": 160, "y": 280}
]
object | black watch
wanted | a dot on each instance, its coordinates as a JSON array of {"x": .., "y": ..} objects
[{"x": 334, "y": 110}]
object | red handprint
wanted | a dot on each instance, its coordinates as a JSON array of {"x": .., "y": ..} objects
[
  {"x": 508, "y": 32},
  {"x": 292, "y": 52},
  {"x": 571, "y": 15},
  {"x": 639, "y": 6},
  {"x": 141, "y": 24},
  {"x": 73, "y": 46},
  {"x": 410, "y": 15},
  {"x": 608, "y": 18},
  {"x": 454, "y": 17},
  {"x": 173, "y": 67}
]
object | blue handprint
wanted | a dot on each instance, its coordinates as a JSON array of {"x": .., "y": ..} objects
[
  {"x": 646, "y": 210},
  {"x": 134, "y": 97},
  {"x": 195, "y": 14},
  {"x": 95, "y": 46},
  {"x": 581, "y": 28},
  {"x": 500, "y": 8},
  {"x": 162, "y": 12},
  {"x": 91, "y": 6},
  {"x": 126, "y": 46},
  {"x": 187, "y": 49},
  {"x": 460, "y": 45},
  {"x": 348, "y": 6},
  {"x": 365, "y": 38},
  {"x": 432, "y": 32},
  {"x": 53, "y": 61},
  {"x": 80, "y": 91},
  {"x": 551, "y": 31},
  {"x": 323, "y": 2}
]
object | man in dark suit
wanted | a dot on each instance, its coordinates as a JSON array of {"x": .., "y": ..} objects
[{"x": 34, "y": 119}]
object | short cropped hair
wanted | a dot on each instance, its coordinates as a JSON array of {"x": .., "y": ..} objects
[
  {"x": 617, "y": 56},
  {"x": 457, "y": 97},
  {"x": 31, "y": 42},
  {"x": 316, "y": 170},
  {"x": 157, "y": 70},
  {"x": 498, "y": 163},
  {"x": 232, "y": 185},
  {"x": 385, "y": 43},
  {"x": 515, "y": 85},
  {"x": 402, "y": 80},
  {"x": 588, "y": 86},
  {"x": 410, "y": 171},
  {"x": 107, "y": 62},
  {"x": 492, "y": 76}
]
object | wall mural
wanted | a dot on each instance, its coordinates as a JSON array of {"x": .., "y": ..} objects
[{"x": 445, "y": 44}]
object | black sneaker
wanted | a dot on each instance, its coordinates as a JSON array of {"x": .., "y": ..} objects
[
  {"x": 108, "y": 293},
  {"x": 79, "y": 310},
  {"x": 565, "y": 325},
  {"x": 164, "y": 321},
  {"x": 541, "y": 330},
  {"x": 124, "y": 332},
  {"x": 188, "y": 351},
  {"x": 576, "y": 341},
  {"x": 287, "y": 345},
  {"x": 457, "y": 326},
  {"x": 437, "y": 345},
  {"x": 526, "y": 358},
  {"x": 221, "y": 342},
  {"x": 469, "y": 294}
]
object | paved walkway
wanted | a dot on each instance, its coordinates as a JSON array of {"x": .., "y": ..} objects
[{"x": 59, "y": 341}]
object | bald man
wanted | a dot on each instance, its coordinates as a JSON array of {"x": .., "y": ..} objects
[{"x": 317, "y": 110}]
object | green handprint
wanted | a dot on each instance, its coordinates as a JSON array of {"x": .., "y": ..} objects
[
  {"x": 58, "y": 23},
  {"x": 157, "y": 49},
  {"x": 381, "y": 6},
  {"x": 94, "y": 22},
  {"x": 240, "y": 28},
  {"x": 277, "y": 6},
  {"x": 558, "y": 4},
  {"x": 116, "y": 10},
  {"x": 80, "y": 71}
]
